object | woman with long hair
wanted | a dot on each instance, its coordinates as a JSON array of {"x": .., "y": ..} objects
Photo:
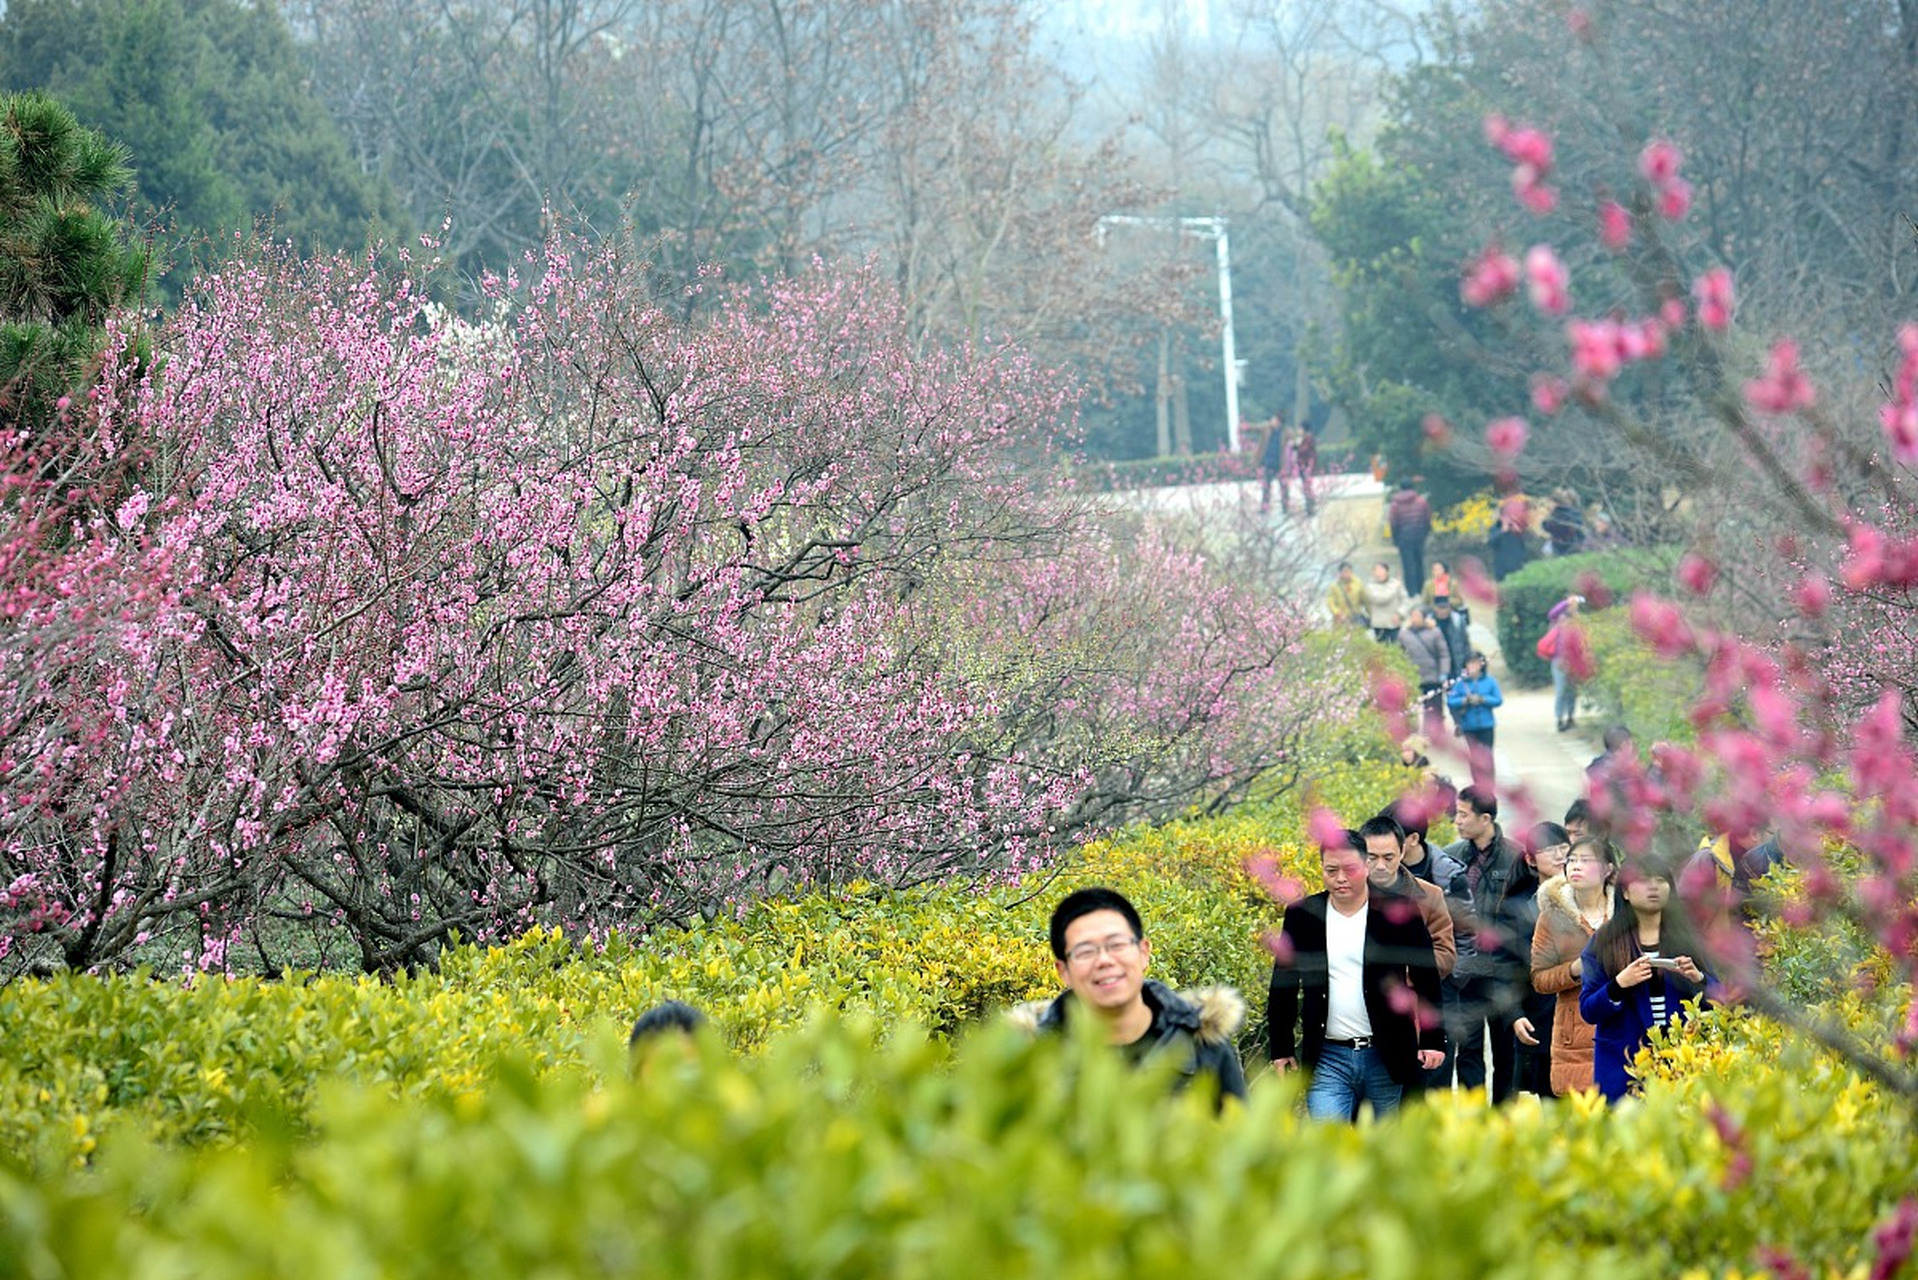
[
  {"x": 1571, "y": 908},
  {"x": 1639, "y": 969},
  {"x": 1545, "y": 848}
]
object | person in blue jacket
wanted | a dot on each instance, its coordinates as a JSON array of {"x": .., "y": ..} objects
[
  {"x": 1638, "y": 971},
  {"x": 1472, "y": 698}
]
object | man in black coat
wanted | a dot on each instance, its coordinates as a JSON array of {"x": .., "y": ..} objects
[
  {"x": 1100, "y": 948},
  {"x": 1355, "y": 992}
]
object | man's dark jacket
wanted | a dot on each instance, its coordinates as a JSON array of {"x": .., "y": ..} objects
[
  {"x": 1398, "y": 958},
  {"x": 1199, "y": 1026}
]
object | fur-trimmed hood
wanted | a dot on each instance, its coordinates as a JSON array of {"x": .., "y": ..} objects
[
  {"x": 1212, "y": 1014},
  {"x": 1556, "y": 895}
]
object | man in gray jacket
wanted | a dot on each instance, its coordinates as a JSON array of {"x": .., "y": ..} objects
[{"x": 1425, "y": 645}]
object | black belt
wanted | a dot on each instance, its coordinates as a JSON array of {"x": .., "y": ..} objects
[{"x": 1363, "y": 1042}]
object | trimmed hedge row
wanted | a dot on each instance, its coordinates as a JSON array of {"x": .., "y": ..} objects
[
  {"x": 1526, "y": 597},
  {"x": 839, "y": 1153},
  {"x": 81, "y": 1054}
]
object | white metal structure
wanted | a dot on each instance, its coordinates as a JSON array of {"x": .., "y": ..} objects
[{"x": 1213, "y": 229}]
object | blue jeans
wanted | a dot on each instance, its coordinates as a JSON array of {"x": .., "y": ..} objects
[
  {"x": 1564, "y": 694},
  {"x": 1344, "y": 1078}
]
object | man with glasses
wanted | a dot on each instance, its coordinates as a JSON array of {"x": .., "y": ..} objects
[
  {"x": 1099, "y": 944},
  {"x": 1355, "y": 992}
]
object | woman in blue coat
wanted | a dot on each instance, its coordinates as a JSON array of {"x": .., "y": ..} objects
[
  {"x": 1472, "y": 698},
  {"x": 1639, "y": 970}
]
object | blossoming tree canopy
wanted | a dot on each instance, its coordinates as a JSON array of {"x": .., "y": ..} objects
[{"x": 588, "y": 615}]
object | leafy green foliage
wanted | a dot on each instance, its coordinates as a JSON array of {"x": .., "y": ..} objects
[
  {"x": 65, "y": 264},
  {"x": 212, "y": 100},
  {"x": 837, "y": 1153},
  {"x": 1526, "y": 597}
]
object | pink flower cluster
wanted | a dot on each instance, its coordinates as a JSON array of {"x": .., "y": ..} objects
[
  {"x": 1899, "y": 415},
  {"x": 1659, "y": 164},
  {"x": 1489, "y": 278},
  {"x": 1783, "y": 388},
  {"x": 1530, "y": 151}
]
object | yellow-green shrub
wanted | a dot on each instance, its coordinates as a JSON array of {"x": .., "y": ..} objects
[{"x": 835, "y": 1154}]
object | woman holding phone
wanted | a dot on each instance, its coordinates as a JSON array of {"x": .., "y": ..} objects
[{"x": 1638, "y": 971}]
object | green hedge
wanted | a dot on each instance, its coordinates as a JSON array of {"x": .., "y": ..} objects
[
  {"x": 842, "y": 1154},
  {"x": 1633, "y": 686},
  {"x": 1526, "y": 598}
]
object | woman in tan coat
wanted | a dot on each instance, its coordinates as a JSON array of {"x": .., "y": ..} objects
[{"x": 1571, "y": 907}]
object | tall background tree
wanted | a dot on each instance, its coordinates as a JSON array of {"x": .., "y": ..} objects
[
  {"x": 214, "y": 100},
  {"x": 66, "y": 264}
]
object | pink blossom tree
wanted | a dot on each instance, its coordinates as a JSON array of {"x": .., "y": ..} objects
[
  {"x": 402, "y": 627},
  {"x": 1800, "y": 623}
]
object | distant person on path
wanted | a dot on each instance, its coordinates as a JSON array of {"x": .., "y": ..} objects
[
  {"x": 1346, "y": 598},
  {"x": 1474, "y": 699},
  {"x": 1409, "y": 517},
  {"x": 1506, "y": 542},
  {"x": 1571, "y": 908},
  {"x": 1355, "y": 992},
  {"x": 1578, "y": 820},
  {"x": 1272, "y": 463},
  {"x": 1556, "y": 648},
  {"x": 1385, "y": 603},
  {"x": 1306, "y": 455},
  {"x": 1564, "y": 526},
  {"x": 1603, "y": 534},
  {"x": 1451, "y": 625},
  {"x": 1425, "y": 645},
  {"x": 1439, "y": 586},
  {"x": 1618, "y": 745},
  {"x": 1101, "y": 952},
  {"x": 1639, "y": 969}
]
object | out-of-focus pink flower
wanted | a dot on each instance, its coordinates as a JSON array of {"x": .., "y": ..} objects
[
  {"x": 1579, "y": 23},
  {"x": 1784, "y": 388},
  {"x": 1506, "y": 436},
  {"x": 1437, "y": 430},
  {"x": 1900, "y": 422},
  {"x": 1672, "y": 313},
  {"x": 1713, "y": 290},
  {"x": 1548, "y": 394},
  {"x": 1660, "y": 161},
  {"x": 1547, "y": 280},
  {"x": 1675, "y": 200},
  {"x": 1525, "y": 145},
  {"x": 1696, "y": 574},
  {"x": 1812, "y": 595},
  {"x": 1595, "y": 354},
  {"x": 1614, "y": 225},
  {"x": 1496, "y": 127},
  {"x": 1490, "y": 278},
  {"x": 1325, "y": 828},
  {"x": 1529, "y": 186},
  {"x": 1641, "y": 340},
  {"x": 1660, "y": 624},
  {"x": 1865, "y": 561}
]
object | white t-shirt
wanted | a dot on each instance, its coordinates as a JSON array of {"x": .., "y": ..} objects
[{"x": 1345, "y": 965}]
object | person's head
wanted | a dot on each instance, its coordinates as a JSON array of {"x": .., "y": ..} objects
[
  {"x": 1343, "y": 862},
  {"x": 1578, "y": 819},
  {"x": 1346, "y": 573},
  {"x": 1601, "y": 521},
  {"x": 1476, "y": 813},
  {"x": 1590, "y": 864},
  {"x": 1617, "y": 738},
  {"x": 1381, "y": 572},
  {"x": 1475, "y": 665},
  {"x": 1645, "y": 885},
  {"x": 1547, "y": 846},
  {"x": 1415, "y": 616},
  {"x": 1441, "y": 607},
  {"x": 1384, "y": 843},
  {"x": 674, "y": 1019},
  {"x": 1415, "y": 750},
  {"x": 1101, "y": 948},
  {"x": 1410, "y": 815},
  {"x": 1438, "y": 569}
]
